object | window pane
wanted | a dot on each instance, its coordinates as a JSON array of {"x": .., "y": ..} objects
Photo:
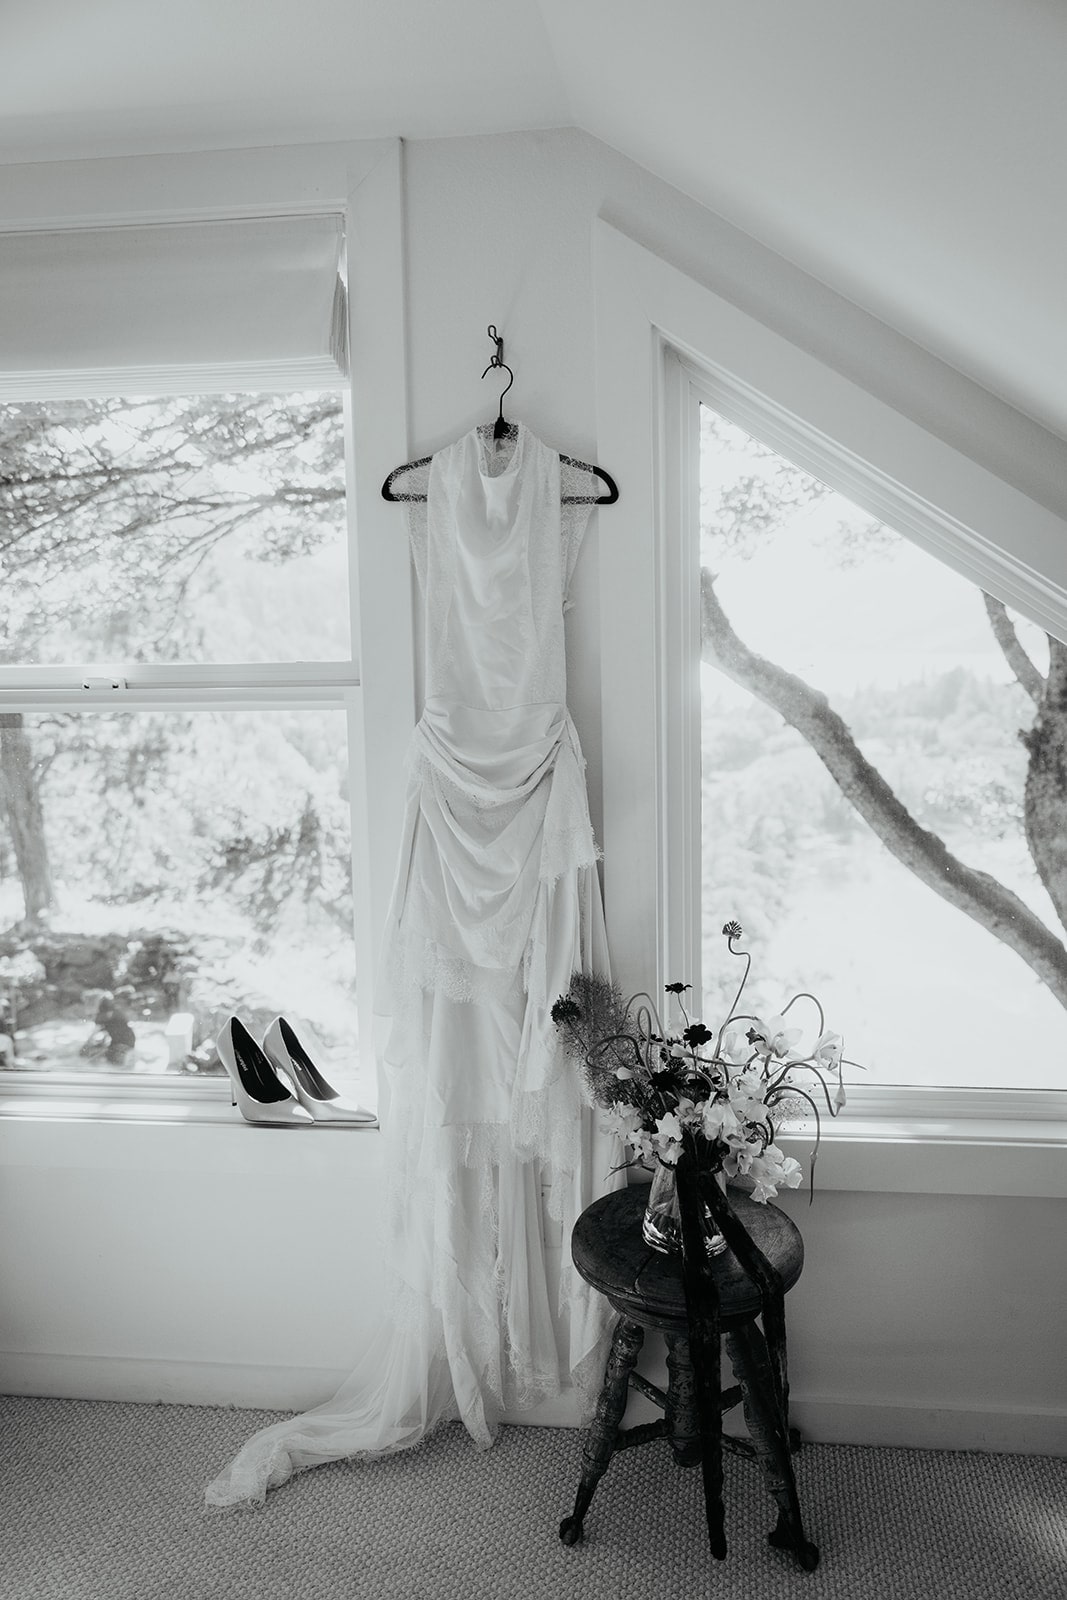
[
  {"x": 161, "y": 870},
  {"x": 187, "y": 529},
  {"x": 905, "y": 652}
]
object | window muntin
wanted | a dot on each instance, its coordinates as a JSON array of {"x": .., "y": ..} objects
[{"x": 904, "y": 650}]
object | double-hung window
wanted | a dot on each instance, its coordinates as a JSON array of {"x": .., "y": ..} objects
[{"x": 179, "y": 687}]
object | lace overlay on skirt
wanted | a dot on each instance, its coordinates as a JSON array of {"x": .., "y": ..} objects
[{"x": 496, "y": 902}]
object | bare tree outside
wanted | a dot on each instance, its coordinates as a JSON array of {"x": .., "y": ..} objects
[{"x": 951, "y": 761}]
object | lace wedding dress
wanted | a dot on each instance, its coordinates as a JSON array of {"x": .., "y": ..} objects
[{"x": 496, "y": 903}]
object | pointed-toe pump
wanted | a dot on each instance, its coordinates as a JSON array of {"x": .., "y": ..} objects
[
  {"x": 257, "y": 1089},
  {"x": 288, "y": 1055}
]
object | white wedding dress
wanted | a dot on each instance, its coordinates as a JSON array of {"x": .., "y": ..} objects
[{"x": 496, "y": 902}]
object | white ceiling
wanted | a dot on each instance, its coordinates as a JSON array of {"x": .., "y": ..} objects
[{"x": 911, "y": 154}]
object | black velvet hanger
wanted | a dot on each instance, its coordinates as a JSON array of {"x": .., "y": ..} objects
[{"x": 508, "y": 430}]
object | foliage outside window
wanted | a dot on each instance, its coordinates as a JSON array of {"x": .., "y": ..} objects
[
  {"x": 168, "y": 860},
  {"x": 882, "y": 795}
]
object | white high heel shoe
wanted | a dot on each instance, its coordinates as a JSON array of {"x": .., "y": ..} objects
[
  {"x": 257, "y": 1089},
  {"x": 288, "y": 1055}
]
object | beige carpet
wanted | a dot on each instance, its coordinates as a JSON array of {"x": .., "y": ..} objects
[{"x": 103, "y": 1502}]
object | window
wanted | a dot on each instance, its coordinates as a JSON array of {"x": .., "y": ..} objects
[
  {"x": 665, "y": 343},
  {"x": 182, "y": 810},
  {"x": 164, "y": 860},
  {"x": 829, "y": 843}
]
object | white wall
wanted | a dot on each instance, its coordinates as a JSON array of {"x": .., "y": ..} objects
[
  {"x": 930, "y": 1318},
  {"x": 219, "y": 1263},
  {"x": 179, "y": 1262}
]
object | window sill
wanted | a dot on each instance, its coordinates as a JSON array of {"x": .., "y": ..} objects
[
  {"x": 860, "y": 1155},
  {"x": 100, "y": 1097},
  {"x": 196, "y": 1139},
  {"x": 937, "y": 1156},
  {"x": 117, "y": 1108},
  {"x": 888, "y": 1140}
]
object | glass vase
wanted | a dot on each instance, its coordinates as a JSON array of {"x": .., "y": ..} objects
[{"x": 662, "y": 1225}]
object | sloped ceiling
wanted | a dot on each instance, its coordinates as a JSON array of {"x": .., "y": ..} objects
[
  {"x": 912, "y": 155},
  {"x": 110, "y": 77}
]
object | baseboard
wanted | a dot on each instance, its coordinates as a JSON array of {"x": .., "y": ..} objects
[
  {"x": 1010, "y": 1430},
  {"x": 195, "y": 1383},
  {"x": 192, "y": 1383},
  {"x": 822, "y": 1419},
  {"x": 1015, "y": 1430}
]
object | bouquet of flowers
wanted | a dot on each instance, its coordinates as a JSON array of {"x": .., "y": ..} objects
[{"x": 728, "y": 1091}]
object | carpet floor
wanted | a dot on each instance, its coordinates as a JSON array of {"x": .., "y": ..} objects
[{"x": 102, "y": 1501}]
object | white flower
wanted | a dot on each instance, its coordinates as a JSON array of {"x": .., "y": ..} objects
[
  {"x": 746, "y": 1097},
  {"x": 669, "y": 1127},
  {"x": 826, "y": 1056},
  {"x": 826, "y": 1051},
  {"x": 772, "y": 1171},
  {"x": 667, "y": 1139},
  {"x": 774, "y": 1037},
  {"x": 620, "y": 1119},
  {"x": 689, "y": 1113},
  {"x": 720, "y": 1119},
  {"x": 739, "y": 1158},
  {"x": 640, "y": 1143},
  {"x": 735, "y": 1047}
]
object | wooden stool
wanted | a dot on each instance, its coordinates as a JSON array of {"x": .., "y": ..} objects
[{"x": 648, "y": 1290}]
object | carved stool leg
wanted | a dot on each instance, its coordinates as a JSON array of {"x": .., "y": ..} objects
[
  {"x": 683, "y": 1423},
  {"x": 600, "y": 1440},
  {"x": 749, "y": 1357}
]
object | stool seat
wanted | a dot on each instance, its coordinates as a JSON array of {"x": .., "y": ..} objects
[{"x": 648, "y": 1287}]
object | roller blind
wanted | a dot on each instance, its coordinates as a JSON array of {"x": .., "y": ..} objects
[{"x": 173, "y": 308}]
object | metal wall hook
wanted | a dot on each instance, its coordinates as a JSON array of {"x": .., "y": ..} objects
[{"x": 500, "y": 427}]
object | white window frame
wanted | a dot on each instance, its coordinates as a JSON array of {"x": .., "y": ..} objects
[
  {"x": 665, "y": 341},
  {"x": 362, "y": 182}
]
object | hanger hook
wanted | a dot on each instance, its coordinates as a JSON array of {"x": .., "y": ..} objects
[{"x": 497, "y": 360}]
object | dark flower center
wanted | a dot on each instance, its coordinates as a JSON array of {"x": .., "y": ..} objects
[{"x": 565, "y": 1010}]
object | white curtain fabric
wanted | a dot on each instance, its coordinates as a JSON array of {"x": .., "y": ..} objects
[
  {"x": 173, "y": 308},
  {"x": 497, "y": 902}
]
